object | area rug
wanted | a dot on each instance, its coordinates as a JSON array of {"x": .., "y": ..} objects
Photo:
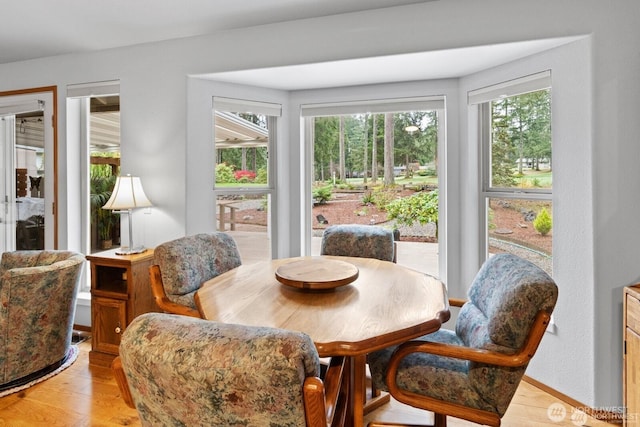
[{"x": 44, "y": 374}]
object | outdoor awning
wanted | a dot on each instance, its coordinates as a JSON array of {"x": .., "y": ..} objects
[{"x": 232, "y": 131}]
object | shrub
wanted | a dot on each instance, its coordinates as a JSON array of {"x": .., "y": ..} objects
[
  {"x": 261, "y": 176},
  {"x": 543, "y": 222},
  {"x": 321, "y": 195},
  {"x": 368, "y": 198},
  {"x": 428, "y": 172},
  {"x": 383, "y": 196},
  {"x": 244, "y": 176},
  {"x": 421, "y": 208},
  {"x": 224, "y": 174}
]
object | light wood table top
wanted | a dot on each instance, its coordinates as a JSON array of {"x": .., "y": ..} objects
[{"x": 387, "y": 304}]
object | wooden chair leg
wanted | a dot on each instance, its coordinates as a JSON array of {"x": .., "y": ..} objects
[{"x": 439, "y": 420}]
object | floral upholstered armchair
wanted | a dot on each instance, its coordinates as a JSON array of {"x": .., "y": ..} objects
[
  {"x": 357, "y": 240},
  {"x": 179, "y": 370},
  {"x": 182, "y": 265},
  {"x": 38, "y": 291},
  {"x": 474, "y": 371}
]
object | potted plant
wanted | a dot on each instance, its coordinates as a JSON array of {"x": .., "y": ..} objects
[{"x": 101, "y": 188}]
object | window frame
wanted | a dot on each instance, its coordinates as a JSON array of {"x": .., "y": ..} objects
[
  {"x": 482, "y": 99},
  {"x": 273, "y": 114}
]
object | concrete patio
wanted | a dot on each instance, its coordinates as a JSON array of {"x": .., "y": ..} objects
[{"x": 254, "y": 247}]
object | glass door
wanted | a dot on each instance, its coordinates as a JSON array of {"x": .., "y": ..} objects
[
  {"x": 7, "y": 196},
  {"x": 27, "y": 163}
]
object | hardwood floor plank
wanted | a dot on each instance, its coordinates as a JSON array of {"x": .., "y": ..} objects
[{"x": 84, "y": 395}]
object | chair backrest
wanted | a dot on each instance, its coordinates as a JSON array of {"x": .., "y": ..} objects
[
  {"x": 504, "y": 299},
  {"x": 186, "y": 263},
  {"x": 187, "y": 371},
  {"x": 38, "y": 291},
  {"x": 357, "y": 240}
]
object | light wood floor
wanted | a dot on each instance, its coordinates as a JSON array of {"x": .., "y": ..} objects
[{"x": 84, "y": 395}]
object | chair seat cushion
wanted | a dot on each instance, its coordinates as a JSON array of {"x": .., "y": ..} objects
[{"x": 441, "y": 378}]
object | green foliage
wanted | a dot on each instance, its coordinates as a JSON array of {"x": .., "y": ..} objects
[
  {"x": 521, "y": 130},
  {"x": 224, "y": 174},
  {"x": 543, "y": 222},
  {"x": 419, "y": 146},
  {"x": 101, "y": 187},
  {"x": 502, "y": 164},
  {"x": 360, "y": 136},
  {"x": 261, "y": 176},
  {"x": 367, "y": 198},
  {"x": 321, "y": 195},
  {"x": 420, "y": 208},
  {"x": 383, "y": 196},
  {"x": 492, "y": 214},
  {"x": 427, "y": 172}
]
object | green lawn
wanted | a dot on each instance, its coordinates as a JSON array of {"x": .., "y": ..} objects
[{"x": 535, "y": 179}]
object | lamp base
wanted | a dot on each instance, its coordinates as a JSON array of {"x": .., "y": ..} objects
[{"x": 125, "y": 250}]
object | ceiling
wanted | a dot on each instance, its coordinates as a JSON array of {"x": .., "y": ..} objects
[
  {"x": 41, "y": 28},
  {"x": 49, "y": 28},
  {"x": 439, "y": 64}
]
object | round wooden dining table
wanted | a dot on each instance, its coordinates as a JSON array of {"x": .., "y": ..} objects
[{"x": 385, "y": 304}]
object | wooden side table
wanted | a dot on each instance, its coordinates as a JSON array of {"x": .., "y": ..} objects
[{"x": 120, "y": 291}]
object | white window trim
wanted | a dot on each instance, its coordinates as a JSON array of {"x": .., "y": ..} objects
[
  {"x": 273, "y": 112},
  {"x": 519, "y": 86},
  {"x": 480, "y": 99},
  {"x": 392, "y": 105}
]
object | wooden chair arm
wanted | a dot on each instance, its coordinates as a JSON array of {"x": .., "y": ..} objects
[
  {"x": 442, "y": 408},
  {"x": 457, "y": 302},
  {"x": 325, "y": 401},
  {"x": 121, "y": 380},
  {"x": 520, "y": 358},
  {"x": 162, "y": 301}
]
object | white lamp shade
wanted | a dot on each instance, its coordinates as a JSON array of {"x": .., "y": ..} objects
[{"x": 127, "y": 194}]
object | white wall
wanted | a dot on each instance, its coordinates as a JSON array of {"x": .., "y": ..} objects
[
  {"x": 573, "y": 255},
  {"x": 604, "y": 226}
]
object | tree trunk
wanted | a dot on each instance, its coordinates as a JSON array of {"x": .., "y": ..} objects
[
  {"x": 364, "y": 154},
  {"x": 407, "y": 170},
  {"x": 255, "y": 159},
  {"x": 388, "y": 149},
  {"x": 374, "y": 152},
  {"x": 343, "y": 175},
  {"x": 244, "y": 159}
]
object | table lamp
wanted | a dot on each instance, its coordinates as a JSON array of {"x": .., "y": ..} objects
[{"x": 127, "y": 195}]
